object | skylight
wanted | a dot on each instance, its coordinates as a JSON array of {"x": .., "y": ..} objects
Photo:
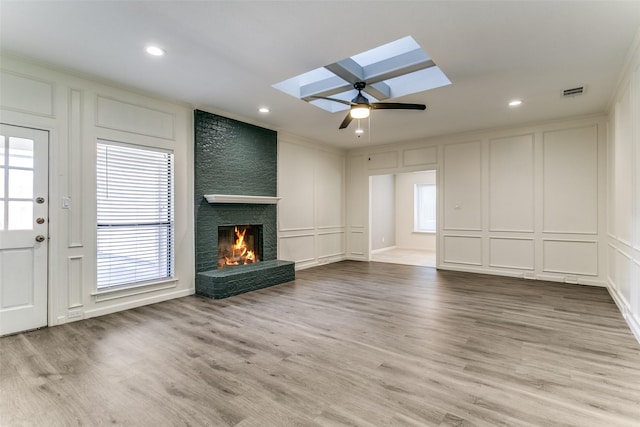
[{"x": 392, "y": 70}]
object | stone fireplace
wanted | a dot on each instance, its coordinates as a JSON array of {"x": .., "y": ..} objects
[{"x": 235, "y": 186}]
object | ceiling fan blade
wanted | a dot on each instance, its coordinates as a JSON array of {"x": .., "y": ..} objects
[
  {"x": 333, "y": 99},
  {"x": 397, "y": 106},
  {"x": 346, "y": 121}
]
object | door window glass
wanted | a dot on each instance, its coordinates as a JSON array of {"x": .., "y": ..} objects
[
  {"x": 20, "y": 215},
  {"x": 20, "y": 152},
  {"x": 20, "y": 184},
  {"x": 16, "y": 183}
]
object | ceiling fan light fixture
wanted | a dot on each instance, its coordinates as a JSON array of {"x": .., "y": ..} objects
[{"x": 360, "y": 112}]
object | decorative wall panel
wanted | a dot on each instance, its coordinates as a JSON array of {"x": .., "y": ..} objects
[
  {"x": 463, "y": 250},
  {"x": 624, "y": 266},
  {"x": 124, "y": 116},
  {"x": 387, "y": 160},
  {"x": 571, "y": 180},
  {"x": 329, "y": 190},
  {"x": 298, "y": 248},
  {"x": 570, "y": 257},
  {"x": 419, "y": 156},
  {"x": 26, "y": 94},
  {"x": 296, "y": 209},
  {"x": 512, "y": 253},
  {"x": 463, "y": 186},
  {"x": 511, "y": 184},
  {"x": 357, "y": 246},
  {"x": 76, "y": 216},
  {"x": 330, "y": 244},
  {"x": 75, "y": 280}
]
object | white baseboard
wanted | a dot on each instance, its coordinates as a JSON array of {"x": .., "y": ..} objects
[{"x": 524, "y": 275}]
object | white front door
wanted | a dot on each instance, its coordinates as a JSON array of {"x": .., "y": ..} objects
[{"x": 24, "y": 218}]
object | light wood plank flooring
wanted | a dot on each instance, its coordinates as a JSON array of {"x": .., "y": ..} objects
[
  {"x": 406, "y": 257},
  {"x": 356, "y": 344}
]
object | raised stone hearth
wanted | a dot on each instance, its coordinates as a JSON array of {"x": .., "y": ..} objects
[{"x": 226, "y": 282}]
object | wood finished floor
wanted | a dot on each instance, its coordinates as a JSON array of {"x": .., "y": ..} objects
[
  {"x": 358, "y": 344},
  {"x": 406, "y": 256}
]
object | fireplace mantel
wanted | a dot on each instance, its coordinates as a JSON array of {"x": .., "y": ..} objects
[{"x": 230, "y": 198}]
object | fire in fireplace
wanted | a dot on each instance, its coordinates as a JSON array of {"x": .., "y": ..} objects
[{"x": 238, "y": 245}]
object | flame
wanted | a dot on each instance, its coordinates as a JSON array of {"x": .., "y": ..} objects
[{"x": 240, "y": 252}]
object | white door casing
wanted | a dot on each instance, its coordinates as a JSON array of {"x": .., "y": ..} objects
[{"x": 24, "y": 218}]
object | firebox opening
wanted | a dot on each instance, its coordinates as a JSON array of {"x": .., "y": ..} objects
[{"x": 239, "y": 244}]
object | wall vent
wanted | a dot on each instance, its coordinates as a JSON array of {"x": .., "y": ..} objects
[{"x": 573, "y": 92}]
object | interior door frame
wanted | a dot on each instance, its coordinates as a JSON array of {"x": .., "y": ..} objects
[{"x": 439, "y": 203}]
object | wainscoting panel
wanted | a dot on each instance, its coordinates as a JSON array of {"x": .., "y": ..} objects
[
  {"x": 624, "y": 266},
  {"x": 388, "y": 160},
  {"x": 75, "y": 217},
  {"x": 463, "y": 250},
  {"x": 295, "y": 186},
  {"x": 463, "y": 186},
  {"x": 623, "y": 186},
  {"x": 329, "y": 189},
  {"x": 511, "y": 184},
  {"x": 124, "y": 116},
  {"x": 297, "y": 248},
  {"x": 611, "y": 263},
  {"x": 512, "y": 253},
  {"x": 571, "y": 180},
  {"x": 75, "y": 275},
  {"x": 330, "y": 244},
  {"x": 570, "y": 257},
  {"x": 420, "y": 156},
  {"x": 357, "y": 246},
  {"x": 358, "y": 183},
  {"x": 26, "y": 94}
]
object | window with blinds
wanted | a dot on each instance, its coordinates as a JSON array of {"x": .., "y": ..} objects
[{"x": 135, "y": 214}]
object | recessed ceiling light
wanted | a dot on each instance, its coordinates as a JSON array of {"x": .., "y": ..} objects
[
  {"x": 155, "y": 51},
  {"x": 359, "y": 131},
  {"x": 263, "y": 109},
  {"x": 515, "y": 103}
]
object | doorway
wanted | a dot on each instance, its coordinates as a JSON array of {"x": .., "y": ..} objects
[
  {"x": 403, "y": 218},
  {"x": 24, "y": 229}
]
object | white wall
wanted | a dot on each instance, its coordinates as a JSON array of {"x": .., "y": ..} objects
[
  {"x": 623, "y": 202},
  {"x": 383, "y": 212},
  {"x": 311, "y": 213},
  {"x": 525, "y": 202},
  {"x": 406, "y": 238},
  {"x": 76, "y": 112}
]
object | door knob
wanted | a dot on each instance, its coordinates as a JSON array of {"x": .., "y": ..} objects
[{"x": 39, "y": 238}]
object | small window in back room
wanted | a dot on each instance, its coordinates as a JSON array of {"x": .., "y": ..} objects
[
  {"x": 424, "y": 217},
  {"x": 135, "y": 204}
]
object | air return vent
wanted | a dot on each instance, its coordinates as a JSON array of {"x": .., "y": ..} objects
[{"x": 573, "y": 92}]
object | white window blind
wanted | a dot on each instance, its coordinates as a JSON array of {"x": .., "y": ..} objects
[
  {"x": 425, "y": 208},
  {"x": 135, "y": 214}
]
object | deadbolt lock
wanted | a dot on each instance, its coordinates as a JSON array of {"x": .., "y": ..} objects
[
  {"x": 40, "y": 200},
  {"x": 40, "y": 238},
  {"x": 40, "y": 220}
]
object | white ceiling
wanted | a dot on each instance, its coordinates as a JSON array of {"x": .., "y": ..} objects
[{"x": 225, "y": 56}]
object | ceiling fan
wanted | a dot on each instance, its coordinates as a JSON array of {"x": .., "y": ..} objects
[{"x": 361, "y": 107}]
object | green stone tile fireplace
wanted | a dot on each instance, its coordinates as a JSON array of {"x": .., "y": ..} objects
[{"x": 235, "y": 158}]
